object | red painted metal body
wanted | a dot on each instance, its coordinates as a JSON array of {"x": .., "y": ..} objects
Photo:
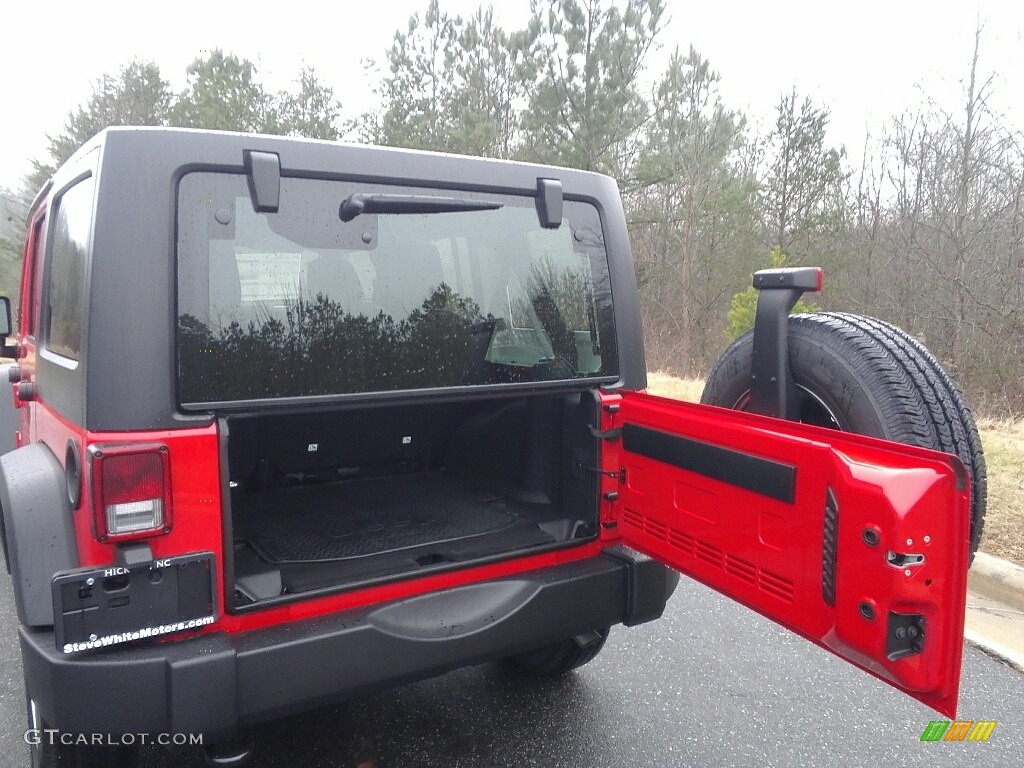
[
  {"x": 26, "y": 324},
  {"x": 198, "y": 527},
  {"x": 767, "y": 553},
  {"x": 763, "y": 552},
  {"x": 760, "y": 551},
  {"x": 196, "y": 497}
]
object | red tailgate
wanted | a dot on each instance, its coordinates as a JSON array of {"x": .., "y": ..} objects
[{"x": 858, "y": 544}]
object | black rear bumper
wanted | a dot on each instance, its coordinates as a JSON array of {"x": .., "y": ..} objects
[{"x": 216, "y": 683}]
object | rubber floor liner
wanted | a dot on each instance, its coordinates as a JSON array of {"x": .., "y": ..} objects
[{"x": 354, "y": 519}]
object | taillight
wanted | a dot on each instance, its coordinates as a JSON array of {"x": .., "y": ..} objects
[{"x": 131, "y": 486}]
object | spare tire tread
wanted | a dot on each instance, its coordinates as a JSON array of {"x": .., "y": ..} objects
[
  {"x": 964, "y": 441},
  {"x": 906, "y": 413},
  {"x": 948, "y": 424},
  {"x": 906, "y": 394}
]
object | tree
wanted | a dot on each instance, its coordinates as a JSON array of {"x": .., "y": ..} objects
[
  {"x": 802, "y": 190},
  {"x": 224, "y": 93},
  {"x": 417, "y": 92},
  {"x": 692, "y": 218},
  {"x": 952, "y": 237},
  {"x": 491, "y": 88},
  {"x": 453, "y": 85},
  {"x": 861, "y": 286},
  {"x": 743, "y": 308},
  {"x": 12, "y": 242},
  {"x": 586, "y": 109},
  {"x": 312, "y": 112},
  {"x": 137, "y": 95}
]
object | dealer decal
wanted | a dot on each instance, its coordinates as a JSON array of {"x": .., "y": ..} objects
[{"x": 141, "y": 634}]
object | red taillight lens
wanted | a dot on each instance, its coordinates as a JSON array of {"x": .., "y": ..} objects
[{"x": 131, "y": 490}]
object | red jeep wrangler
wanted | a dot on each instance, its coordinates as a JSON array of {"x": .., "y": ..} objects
[{"x": 300, "y": 421}]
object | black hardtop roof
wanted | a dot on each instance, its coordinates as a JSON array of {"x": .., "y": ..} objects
[
  {"x": 157, "y": 148},
  {"x": 126, "y": 379}
]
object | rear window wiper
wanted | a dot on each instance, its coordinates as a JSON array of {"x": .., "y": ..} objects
[{"x": 353, "y": 205}]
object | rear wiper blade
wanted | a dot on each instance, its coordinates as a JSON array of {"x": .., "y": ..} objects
[{"x": 353, "y": 205}]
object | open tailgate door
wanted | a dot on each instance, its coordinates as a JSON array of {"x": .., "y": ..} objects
[{"x": 860, "y": 545}]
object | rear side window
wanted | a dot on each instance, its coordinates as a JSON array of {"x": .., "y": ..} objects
[
  {"x": 72, "y": 228},
  {"x": 30, "y": 294}
]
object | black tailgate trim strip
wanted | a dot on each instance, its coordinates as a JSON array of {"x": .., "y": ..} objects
[{"x": 764, "y": 476}]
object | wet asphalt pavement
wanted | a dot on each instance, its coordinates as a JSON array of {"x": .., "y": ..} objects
[{"x": 710, "y": 684}]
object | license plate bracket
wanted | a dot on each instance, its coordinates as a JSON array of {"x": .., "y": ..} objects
[{"x": 100, "y": 607}]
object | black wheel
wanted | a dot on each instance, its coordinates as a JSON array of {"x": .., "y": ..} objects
[
  {"x": 46, "y": 750},
  {"x": 562, "y": 657},
  {"x": 866, "y": 376}
]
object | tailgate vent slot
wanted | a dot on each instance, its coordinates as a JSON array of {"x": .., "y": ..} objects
[{"x": 828, "y": 549}]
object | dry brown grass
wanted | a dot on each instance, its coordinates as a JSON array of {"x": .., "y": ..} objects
[
  {"x": 667, "y": 385},
  {"x": 1003, "y": 442}
]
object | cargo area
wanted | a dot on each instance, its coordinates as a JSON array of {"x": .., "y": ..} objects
[{"x": 325, "y": 500}]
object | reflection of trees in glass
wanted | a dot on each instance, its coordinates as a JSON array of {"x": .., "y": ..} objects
[
  {"x": 570, "y": 287},
  {"x": 560, "y": 298},
  {"x": 65, "y": 335},
  {"x": 319, "y": 348}
]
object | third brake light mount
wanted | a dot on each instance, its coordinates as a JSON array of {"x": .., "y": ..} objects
[{"x": 772, "y": 392}]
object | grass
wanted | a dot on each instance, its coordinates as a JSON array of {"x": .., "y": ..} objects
[
  {"x": 1002, "y": 441},
  {"x": 667, "y": 385}
]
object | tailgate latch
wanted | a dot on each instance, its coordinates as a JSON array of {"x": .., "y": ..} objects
[{"x": 905, "y": 635}]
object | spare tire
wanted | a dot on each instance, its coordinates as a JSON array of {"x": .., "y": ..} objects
[{"x": 866, "y": 376}]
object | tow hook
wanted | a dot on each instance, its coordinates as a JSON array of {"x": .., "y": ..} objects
[
  {"x": 587, "y": 639},
  {"x": 772, "y": 392}
]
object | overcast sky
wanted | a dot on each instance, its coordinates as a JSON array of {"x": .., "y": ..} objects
[{"x": 863, "y": 59}]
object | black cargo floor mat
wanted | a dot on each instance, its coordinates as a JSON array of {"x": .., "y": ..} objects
[
  {"x": 357, "y": 519},
  {"x": 303, "y": 577}
]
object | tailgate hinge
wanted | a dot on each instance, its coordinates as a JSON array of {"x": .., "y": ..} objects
[
  {"x": 619, "y": 475},
  {"x": 610, "y": 434}
]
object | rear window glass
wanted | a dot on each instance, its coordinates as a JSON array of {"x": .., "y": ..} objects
[
  {"x": 71, "y": 233},
  {"x": 300, "y": 303}
]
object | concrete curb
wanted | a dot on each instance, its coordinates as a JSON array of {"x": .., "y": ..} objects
[
  {"x": 995, "y": 609},
  {"x": 998, "y": 580}
]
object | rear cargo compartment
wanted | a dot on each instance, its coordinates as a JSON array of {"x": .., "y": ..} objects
[{"x": 329, "y": 499}]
